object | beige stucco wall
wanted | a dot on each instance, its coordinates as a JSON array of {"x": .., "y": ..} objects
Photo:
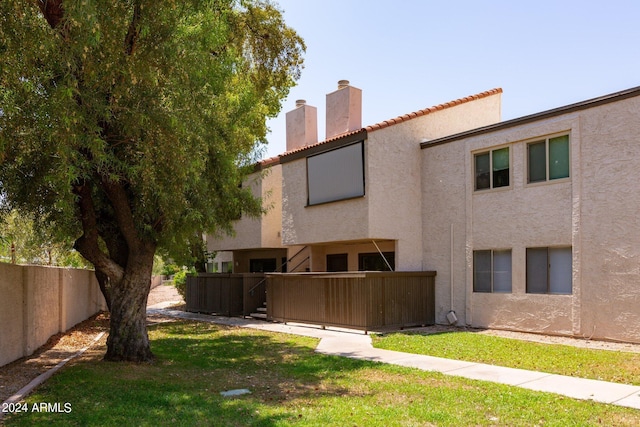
[
  {"x": 304, "y": 225},
  {"x": 257, "y": 232},
  {"x": 38, "y": 302},
  {"x": 594, "y": 211},
  {"x": 391, "y": 207},
  {"x": 609, "y": 238},
  {"x": 12, "y": 319}
]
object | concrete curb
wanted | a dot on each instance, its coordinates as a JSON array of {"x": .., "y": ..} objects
[{"x": 26, "y": 390}]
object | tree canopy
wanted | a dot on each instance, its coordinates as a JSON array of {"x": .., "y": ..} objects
[{"x": 128, "y": 126}]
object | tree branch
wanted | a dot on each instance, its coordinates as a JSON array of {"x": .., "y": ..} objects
[
  {"x": 52, "y": 11},
  {"x": 134, "y": 30},
  {"x": 122, "y": 212},
  {"x": 87, "y": 244}
]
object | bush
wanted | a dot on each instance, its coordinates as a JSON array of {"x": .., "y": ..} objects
[
  {"x": 180, "y": 281},
  {"x": 169, "y": 269}
]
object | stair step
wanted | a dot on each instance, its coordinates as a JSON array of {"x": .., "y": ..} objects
[
  {"x": 259, "y": 315},
  {"x": 261, "y": 309}
]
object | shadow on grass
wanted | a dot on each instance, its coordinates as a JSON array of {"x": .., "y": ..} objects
[{"x": 195, "y": 363}]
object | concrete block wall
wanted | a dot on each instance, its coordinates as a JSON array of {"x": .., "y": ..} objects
[{"x": 38, "y": 302}]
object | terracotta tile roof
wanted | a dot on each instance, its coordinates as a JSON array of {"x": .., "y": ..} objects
[
  {"x": 397, "y": 120},
  {"x": 326, "y": 141},
  {"x": 433, "y": 109},
  {"x": 269, "y": 162}
]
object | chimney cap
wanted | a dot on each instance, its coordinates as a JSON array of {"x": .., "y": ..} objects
[
  {"x": 300, "y": 102},
  {"x": 342, "y": 84}
]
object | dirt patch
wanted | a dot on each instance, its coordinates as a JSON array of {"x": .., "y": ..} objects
[{"x": 21, "y": 372}]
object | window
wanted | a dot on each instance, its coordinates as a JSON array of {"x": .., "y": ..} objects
[
  {"x": 227, "y": 267},
  {"x": 337, "y": 262},
  {"x": 374, "y": 261},
  {"x": 492, "y": 271},
  {"x": 548, "y": 159},
  {"x": 549, "y": 270},
  {"x": 336, "y": 175},
  {"x": 492, "y": 169},
  {"x": 262, "y": 265}
]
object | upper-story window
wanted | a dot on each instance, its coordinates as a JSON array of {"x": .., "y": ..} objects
[
  {"x": 336, "y": 174},
  {"x": 548, "y": 159},
  {"x": 492, "y": 169}
]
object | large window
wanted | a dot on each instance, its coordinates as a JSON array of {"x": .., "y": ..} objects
[
  {"x": 548, "y": 159},
  {"x": 337, "y": 262},
  {"x": 492, "y": 169},
  {"x": 262, "y": 265},
  {"x": 336, "y": 175},
  {"x": 375, "y": 261},
  {"x": 492, "y": 271},
  {"x": 549, "y": 270}
]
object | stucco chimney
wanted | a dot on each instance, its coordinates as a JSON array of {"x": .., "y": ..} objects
[
  {"x": 344, "y": 110},
  {"x": 302, "y": 125}
]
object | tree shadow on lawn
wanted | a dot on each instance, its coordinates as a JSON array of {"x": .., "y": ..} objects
[{"x": 195, "y": 363}]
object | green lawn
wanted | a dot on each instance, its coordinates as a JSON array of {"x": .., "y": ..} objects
[
  {"x": 290, "y": 384},
  {"x": 615, "y": 366}
]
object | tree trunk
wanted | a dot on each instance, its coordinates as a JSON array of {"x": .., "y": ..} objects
[{"x": 128, "y": 339}]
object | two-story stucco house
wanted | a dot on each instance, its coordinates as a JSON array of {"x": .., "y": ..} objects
[
  {"x": 533, "y": 222},
  {"x": 341, "y": 204},
  {"x": 530, "y": 224}
]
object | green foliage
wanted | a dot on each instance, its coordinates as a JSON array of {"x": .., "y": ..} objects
[
  {"x": 162, "y": 102},
  {"x": 180, "y": 281},
  {"x": 170, "y": 269},
  {"x": 34, "y": 245}
]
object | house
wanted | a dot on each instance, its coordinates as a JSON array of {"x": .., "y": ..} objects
[
  {"x": 530, "y": 223},
  {"x": 338, "y": 204}
]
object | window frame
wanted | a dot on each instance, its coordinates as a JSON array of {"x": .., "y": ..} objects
[
  {"x": 547, "y": 160},
  {"x": 492, "y": 271},
  {"x": 490, "y": 152},
  {"x": 549, "y": 291}
]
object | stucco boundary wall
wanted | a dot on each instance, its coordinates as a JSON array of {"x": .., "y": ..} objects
[{"x": 38, "y": 302}]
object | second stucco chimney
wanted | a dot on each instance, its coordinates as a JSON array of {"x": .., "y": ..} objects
[
  {"x": 302, "y": 125},
  {"x": 344, "y": 110}
]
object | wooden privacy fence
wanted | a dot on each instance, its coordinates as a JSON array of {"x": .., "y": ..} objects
[
  {"x": 364, "y": 300},
  {"x": 227, "y": 294}
]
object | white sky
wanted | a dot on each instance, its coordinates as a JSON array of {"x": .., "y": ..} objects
[{"x": 407, "y": 55}]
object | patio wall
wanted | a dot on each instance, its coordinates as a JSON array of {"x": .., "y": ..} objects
[
  {"x": 359, "y": 300},
  {"x": 228, "y": 294}
]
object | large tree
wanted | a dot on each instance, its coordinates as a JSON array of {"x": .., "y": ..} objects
[{"x": 128, "y": 126}]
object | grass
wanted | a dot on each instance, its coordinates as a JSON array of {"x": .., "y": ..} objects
[
  {"x": 290, "y": 385},
  {"x": 615, "y": 366}
]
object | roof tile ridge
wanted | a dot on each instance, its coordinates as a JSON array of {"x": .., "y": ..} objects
[{"x": 429, "y": 110}]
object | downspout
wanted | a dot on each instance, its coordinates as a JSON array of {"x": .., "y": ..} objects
[
  {"x": 451, "y": 315},
  {"x": 382, "y": 255}
]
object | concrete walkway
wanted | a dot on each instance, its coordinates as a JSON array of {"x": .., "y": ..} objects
[{"x": 356, "y": 345}]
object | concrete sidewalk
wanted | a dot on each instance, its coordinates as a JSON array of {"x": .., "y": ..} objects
[{"x": 356, "y": 345}]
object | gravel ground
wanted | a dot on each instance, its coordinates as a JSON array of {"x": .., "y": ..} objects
[{"x": 17, "y": 374}]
